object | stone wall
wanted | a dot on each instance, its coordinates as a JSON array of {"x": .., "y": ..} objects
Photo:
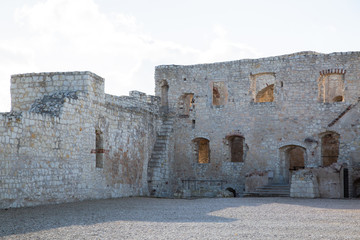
[
  {"x": 48, "y": 148},
  {"x": 26, "y": 88},
  {"x": 293, "y": 113},
  {"x": 256, "y": 180},
  {"x": 304, "y": 185},
  {"x": 66, "y": 140},
  {"x": 324, "y": 182}
]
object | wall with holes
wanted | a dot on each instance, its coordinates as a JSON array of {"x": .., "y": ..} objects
[
  {"x": 66, "y": 140},
  {"x": 273, "y": 104}
]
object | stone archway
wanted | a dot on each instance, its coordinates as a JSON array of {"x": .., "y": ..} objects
[{"x": 292, "y": 158}]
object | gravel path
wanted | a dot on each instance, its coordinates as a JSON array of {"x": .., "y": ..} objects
[{"x": 212, "y": 218}]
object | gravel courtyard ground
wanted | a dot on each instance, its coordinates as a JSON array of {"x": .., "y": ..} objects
[{"x": 212, "y": 218}]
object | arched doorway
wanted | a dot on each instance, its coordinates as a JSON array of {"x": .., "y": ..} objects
[{"x": 292, "y": 158}]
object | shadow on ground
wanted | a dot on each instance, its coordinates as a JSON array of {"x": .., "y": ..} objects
[{"x": 33, "y": 219}]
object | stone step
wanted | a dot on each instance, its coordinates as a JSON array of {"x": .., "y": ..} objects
[
  {"x": 164, "y": 132},
  {"x": 158, "y": 153},
  {"x": 156, "y": 170},
  {"x": 255, "y": 194},
  {"x": 158, "y": 148},
  {"x": 168, "y": 122},
  {"x": 154, "y": 164},
  {"x": 271, "y": 192},
  {"x": 274, "y": 190},
  {"x": 166, "y": 129},
  {"x": 162, "y": 136},
  {"x": 157, "y": 157},
  {"x": 167, "y": 126}
]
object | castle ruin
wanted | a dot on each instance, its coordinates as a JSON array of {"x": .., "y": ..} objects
[{"x": 288, "y": 122}]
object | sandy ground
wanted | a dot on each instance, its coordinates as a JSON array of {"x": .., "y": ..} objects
[{"x": 212, "y": 218}]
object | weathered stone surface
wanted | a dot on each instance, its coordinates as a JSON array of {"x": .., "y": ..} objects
[
  {"x": 48, "y": 148},
  {"x": 282, "y": 107},
  {"x": 66, "y": 140}
]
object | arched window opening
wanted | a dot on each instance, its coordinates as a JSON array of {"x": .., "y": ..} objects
[
  {"x": 329, "y": 148},
  {"x": 266, "y": 94},
  {"x": 236, "y": 148},
  {"x": 202, "y": 150},
  {"x": 99, "y": 149}
]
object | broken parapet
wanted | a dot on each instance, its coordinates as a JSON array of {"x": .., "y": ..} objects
[{"x": 136, "y": 101}]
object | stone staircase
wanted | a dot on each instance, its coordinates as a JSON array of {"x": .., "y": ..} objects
[
  {"x": 271, "y": 190},
  {"x": 343, "y": 113},
  {"x": 158, "y": 164}
]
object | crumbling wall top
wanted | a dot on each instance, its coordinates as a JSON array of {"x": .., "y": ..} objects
[
  {"x": 30, "y": 87},
  {"x": 296, "y": 55}
]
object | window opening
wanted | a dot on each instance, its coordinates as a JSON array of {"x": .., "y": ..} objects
[
  {"x": 237, "y": 148},
  {"x": 202, "y": 150},
  {"x": 296, "y": 158},
  {"x": 164, "y": 95},
  {"x": 331, "y": 85},
  {"x": 186, "y": 104},
  {"x": 266, "y": 94},
  {"x": 219, "y": 93},
  {"x": 99, "y": 149}
]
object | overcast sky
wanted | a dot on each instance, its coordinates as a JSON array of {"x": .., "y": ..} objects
[{"x": 123, "y": 41}]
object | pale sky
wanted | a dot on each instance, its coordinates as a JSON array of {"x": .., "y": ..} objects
[{"x": 122, "y": 41}]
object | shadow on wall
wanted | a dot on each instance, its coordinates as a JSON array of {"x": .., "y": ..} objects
[{"x": 356, "y": 187}]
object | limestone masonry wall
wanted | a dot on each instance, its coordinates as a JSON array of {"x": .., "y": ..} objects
[
  {"x": 285, "y": 113},
  {"x": 290, "y": 119},
  {"x": 48, "y": 145}
]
